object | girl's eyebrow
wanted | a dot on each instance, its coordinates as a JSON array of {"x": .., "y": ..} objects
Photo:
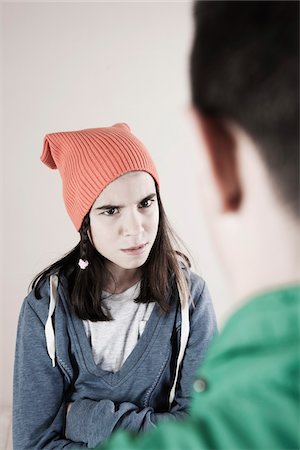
[{"x": 111, "y": 206}]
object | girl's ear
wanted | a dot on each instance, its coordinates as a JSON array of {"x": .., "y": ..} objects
[{"x": 219, "y": 142}]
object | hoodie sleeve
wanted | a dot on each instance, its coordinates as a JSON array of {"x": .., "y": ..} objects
[
  {"x": 38, "y": 390},
  {"x": 93, "y": 421}
]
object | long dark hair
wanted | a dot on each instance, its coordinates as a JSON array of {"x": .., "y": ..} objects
[{"x": 86, "y": 286}]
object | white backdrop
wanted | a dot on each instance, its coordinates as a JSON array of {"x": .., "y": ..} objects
[{"x": 68, "y": 66}]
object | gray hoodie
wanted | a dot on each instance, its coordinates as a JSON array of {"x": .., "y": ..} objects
[{"x": 134, "y": 398}]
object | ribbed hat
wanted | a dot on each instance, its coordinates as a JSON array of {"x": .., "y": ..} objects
[{"x": 88, "y": 160}]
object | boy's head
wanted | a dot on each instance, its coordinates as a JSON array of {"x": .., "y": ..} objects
[
  {"x": 245, "y": 70},
  {"x": 245, "y": 94}
]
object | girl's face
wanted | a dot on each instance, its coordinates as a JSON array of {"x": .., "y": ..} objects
[{"x": 124, "y": 220}]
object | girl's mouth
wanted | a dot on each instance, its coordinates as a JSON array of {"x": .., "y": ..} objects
[{"x": 137, "y": 250}]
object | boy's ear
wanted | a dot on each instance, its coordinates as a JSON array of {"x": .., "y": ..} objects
[{"x": 221, "y": 147}]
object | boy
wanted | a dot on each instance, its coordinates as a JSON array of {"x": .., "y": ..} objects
[{"x": 245, "y": 92}]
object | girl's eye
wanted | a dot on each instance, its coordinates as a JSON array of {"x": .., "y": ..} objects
[
  {"x": 110, "y": 212},
  {"x": 146, "y": 203}
]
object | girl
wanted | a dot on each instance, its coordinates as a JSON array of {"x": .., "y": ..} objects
[{"x": 111, "y": 334}]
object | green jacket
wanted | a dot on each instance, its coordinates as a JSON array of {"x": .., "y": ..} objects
[{"x": 246, "y": 394}]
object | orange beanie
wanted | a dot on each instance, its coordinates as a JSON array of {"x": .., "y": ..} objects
[{"x": 88, "y": 160}]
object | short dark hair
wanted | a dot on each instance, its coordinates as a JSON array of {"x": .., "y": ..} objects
[{"x": 245, "y": 68}]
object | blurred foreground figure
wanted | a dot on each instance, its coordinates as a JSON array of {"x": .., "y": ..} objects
[{"x": 245, "y": 93}]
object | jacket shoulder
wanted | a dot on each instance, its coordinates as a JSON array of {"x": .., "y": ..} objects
[
  {"x": 196, "y": 281},
  {"x": 196, "y": 284},
  {"x": 200, "y": 298},
  {"x": 39, "y": 304}
]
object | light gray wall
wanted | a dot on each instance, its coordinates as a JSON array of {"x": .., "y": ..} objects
[{"x": 68, "y": 66}]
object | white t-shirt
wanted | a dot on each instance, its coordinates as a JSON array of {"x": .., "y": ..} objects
[{"x": 113, "y": 341}]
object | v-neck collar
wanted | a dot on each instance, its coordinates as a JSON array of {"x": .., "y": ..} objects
[
  {"x": 152, "y": 328},
  {"x": 140, "y": 351}
]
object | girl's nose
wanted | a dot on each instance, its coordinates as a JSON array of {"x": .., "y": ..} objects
[{"x": 132, "y": 224}]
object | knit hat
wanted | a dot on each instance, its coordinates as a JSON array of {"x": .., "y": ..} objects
[{"x": 88, "y": 160}]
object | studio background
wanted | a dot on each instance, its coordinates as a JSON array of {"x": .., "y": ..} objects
[{"x": 68, "y": 66}]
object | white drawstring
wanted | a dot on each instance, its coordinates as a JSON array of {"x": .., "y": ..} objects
[
  {"x": 184, "y": 335},
  {"x": 49, "y": 331}
]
